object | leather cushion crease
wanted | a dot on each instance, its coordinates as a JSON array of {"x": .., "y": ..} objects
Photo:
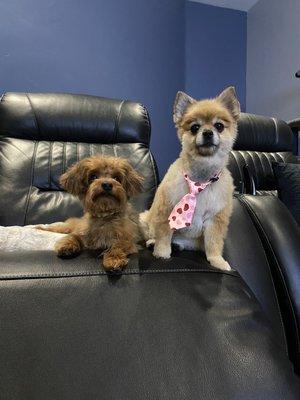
[
  {"x": 178, "y": 331},
  {"x": 288, "y": 182}
]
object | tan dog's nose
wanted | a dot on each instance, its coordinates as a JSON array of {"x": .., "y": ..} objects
[{"x": 208, "y": 134}]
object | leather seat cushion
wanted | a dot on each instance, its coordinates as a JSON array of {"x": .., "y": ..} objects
[{"x": 174, "y": 329}]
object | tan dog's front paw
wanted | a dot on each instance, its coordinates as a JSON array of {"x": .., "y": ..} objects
[
  {"x": 219, "y": 262},
  {"x": 162, "y": 251}
]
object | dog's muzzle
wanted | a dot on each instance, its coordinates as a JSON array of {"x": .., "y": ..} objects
[{"x": 206, "y": 139}]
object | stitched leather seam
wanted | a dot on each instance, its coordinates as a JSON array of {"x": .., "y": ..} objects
[
  {"x": 251, "y": 157},
  {"x": 2, "y": 97},
  {"x": 281, "y": 156},
  {"x": 34, "y": 114},
  {"x": 63, "y": 158},
  {"x": 103, "y": 273},
  {"x": 238, "y": 165},
  {"x": 49, "y": 165},
  {"x": 251, "y": 210},
  {"x": 263, "y": 154},
  {"x": 31, "y": 180},
  {"x": 147, "y": 121},
  {"x": 153, "y": 169},
  {"x": 76, "y": 150},
  {"x": 276, "y": 129},
  {"x": 118, "y": 116}
]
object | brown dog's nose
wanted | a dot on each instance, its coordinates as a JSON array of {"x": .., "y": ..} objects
[
  {"x": 106, "y": 186},
  {"x": 208, "y": 134}
]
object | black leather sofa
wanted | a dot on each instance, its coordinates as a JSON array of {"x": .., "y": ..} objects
[{"x": 174, "y": 329}]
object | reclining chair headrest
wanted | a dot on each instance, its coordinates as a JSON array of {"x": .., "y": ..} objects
[
  {"x": 258, "y": 133},
  {"x": 73, "y": 118}
]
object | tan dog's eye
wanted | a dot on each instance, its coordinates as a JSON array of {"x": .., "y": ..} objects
[
  {"x": 93, "y": 177},
  {"x": 195, "y": 128},
  {"x": 219, "y": 126}
]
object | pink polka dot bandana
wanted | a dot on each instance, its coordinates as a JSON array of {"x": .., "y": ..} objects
[{"x": 183, "y": 213}]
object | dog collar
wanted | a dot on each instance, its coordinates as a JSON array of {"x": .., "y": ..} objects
[{"x": 183, "y": 213}]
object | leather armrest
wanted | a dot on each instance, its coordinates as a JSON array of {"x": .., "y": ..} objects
[{"x": 280, "y": 235}]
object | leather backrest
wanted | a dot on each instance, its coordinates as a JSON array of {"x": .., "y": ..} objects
[
  {"x": 261, "y": 141},
  {"x": 41, "y": 135},
  {"x": 73, "y": 118}
]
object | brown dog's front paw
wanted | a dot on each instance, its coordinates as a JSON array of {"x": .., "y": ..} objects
[
  {"x": 114, "y": 263},
  {"x": 67, "y": 247}
]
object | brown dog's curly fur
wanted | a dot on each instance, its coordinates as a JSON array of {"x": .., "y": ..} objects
[{"x": 109, "y": 222}]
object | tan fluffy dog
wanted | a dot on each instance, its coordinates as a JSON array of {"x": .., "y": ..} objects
[
  {"x": 207, "y": 130},
  {"x": 104, "y": 185}
]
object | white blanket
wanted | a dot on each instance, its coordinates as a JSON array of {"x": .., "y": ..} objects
[{"x": 14, "y": 238}]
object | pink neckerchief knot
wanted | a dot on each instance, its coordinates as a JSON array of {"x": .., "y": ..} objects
[{"x": 183, "y": 213}]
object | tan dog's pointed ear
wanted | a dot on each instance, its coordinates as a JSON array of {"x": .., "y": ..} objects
[
  {"x": 182, "y": 101},
  {"x": 133, "y": 181},
  {"x": 229, "y": 99},
  {"x": 72, "y": 180}
]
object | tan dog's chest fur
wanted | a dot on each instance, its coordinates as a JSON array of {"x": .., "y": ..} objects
[{"x": 207, "y": 130}]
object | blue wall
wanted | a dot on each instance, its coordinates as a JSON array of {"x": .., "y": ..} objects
[
  {"x": 273, "y": 59},
  {"x": 132, "y": 49},
  {"x": 123, "y": 49},
  {"x": 215, "y": 51}
]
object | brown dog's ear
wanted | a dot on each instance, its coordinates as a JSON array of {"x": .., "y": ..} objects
[
  {"x": 73, "y": 179},
  {"x": 133, "y": 181},
  {"x": 229, "y": 99},
  {"x": 182, "y": 101}
]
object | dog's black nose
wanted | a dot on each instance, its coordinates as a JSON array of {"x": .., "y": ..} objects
[
  {"x": 208, "y": 134},
  {"x": 106, "y": 186}
]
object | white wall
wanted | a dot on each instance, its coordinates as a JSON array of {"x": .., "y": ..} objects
[{"x": 273, "y": 56}]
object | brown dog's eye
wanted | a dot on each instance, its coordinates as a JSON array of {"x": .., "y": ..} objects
[
  {"x": 117, "y": 178},
  {"x": 219, "y": 126},
  {"x": 195, "y": 128},
  {"x": 93, "y": 177}
]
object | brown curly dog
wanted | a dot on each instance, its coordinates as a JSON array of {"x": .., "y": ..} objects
[{"x": 104, "y": 185}]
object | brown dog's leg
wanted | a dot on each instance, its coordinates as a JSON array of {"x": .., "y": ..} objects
[
  {"x": 69, "y": 246},
  {"x": 116, "y": 256},
  {"x": 62, "y": 227},
  {"x": 214, "y": 235}
]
